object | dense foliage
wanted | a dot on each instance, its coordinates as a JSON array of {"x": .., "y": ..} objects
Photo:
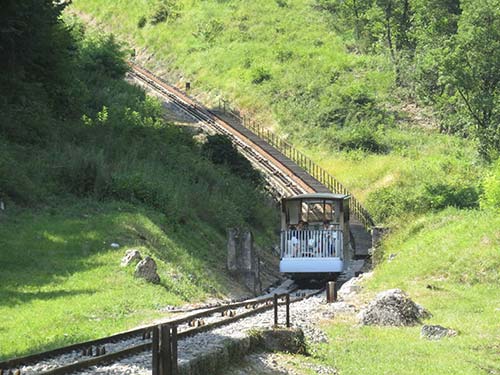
[
  {"x": 221, "y": 150},
  {"x": 447, "y": 52},
  {"x": 71, "y": 126}
]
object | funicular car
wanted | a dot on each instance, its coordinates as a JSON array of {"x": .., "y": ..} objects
[{"x": 314, "y": 235}]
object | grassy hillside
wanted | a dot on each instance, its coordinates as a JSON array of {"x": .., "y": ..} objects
[
  {"x": 87, "y": 160},
  {"x": 449, "y": 263},
  {"x": 288, "y": 66},
  {"x": 62, "y": 281},
  {"x": 291, "y": 65}
]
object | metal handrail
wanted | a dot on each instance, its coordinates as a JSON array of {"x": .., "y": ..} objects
[
  {"x": 306, "y": 163},
  {"x": 292, "y": 153},
  {"x": 305, "y": 243}
]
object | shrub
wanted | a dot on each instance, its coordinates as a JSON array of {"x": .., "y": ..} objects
[
  {"x": 393, "y": 201},
  {"x": 404, "y": 198},
  {"x": 491, "y": 185},
  {"x": 164, "y": 10},
  {"x": 361, "y": 137},
  {"x": 209, "y": 31},
  {"x": 85, "y": 172},
  {"x": 259, "y": 75},
  {"x": 103, "y": 56},
  {"x": 142, "y": 22},
  {"x": 443, "y": 195},
  {"x": 220, "y": 150}
]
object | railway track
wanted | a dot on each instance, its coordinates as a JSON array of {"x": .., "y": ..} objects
[
  {"x": 280, "y": 172},
  {"x": 283, "y": 175},
  {"x": 81, "y": 356}
]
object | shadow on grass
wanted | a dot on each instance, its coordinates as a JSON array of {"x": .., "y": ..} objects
[
  {"x": 10, "y": 297},
  {"x": 43, "y": 249},
  {"x": 49, "y": 248}
]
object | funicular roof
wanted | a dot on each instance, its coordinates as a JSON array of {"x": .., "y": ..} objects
[{"x": 313, "y": 196}]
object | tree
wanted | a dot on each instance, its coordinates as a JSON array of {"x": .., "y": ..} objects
[
  {"x": 472, "y": 70},
  {"x": 435, "y": 22},
  {"x": 385, "y": 21},
  {"x": 29, "y": 35}
]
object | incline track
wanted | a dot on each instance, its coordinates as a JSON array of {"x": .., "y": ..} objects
[
  {"x": 283, "y": 175},
  {"x": 286, "y": 177}
]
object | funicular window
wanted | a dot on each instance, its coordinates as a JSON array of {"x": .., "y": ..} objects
[
  {"x": 318, "y": 211},
  {"x": 315, "y": 213},
  {"x": 293, "y": 212}
]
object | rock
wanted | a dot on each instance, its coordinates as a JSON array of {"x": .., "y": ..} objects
[
  {"x": 436, "y": 332},
  {"x": 392, "y": 308},
  {"x": 349, "y": 289},
  {"x": 341, "y": 308},
  {"x": 391, "y": 257},
  {"x": 146, "y": 269},
  {"x": 289, "y": 340},
  {"x": 131, "y": 256}
]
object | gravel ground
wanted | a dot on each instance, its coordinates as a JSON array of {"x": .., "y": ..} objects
[{"x": 304, "y": 314}]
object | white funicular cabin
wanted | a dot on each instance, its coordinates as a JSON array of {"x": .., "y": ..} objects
[{"x": 314, "y": 234}]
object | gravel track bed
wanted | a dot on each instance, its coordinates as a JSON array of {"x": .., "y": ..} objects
[
  {"x": 76, "y": 355},
  {"x": 303, "y": 314}
]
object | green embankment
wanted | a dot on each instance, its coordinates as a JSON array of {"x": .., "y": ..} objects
[
  {"x": 449, "y": 263},
  {"x": 87, "y": 160},
  {"x": 62, "y": 281},
  {"x": 289, "y": 67},
  {"x": 285, "y": 64}
]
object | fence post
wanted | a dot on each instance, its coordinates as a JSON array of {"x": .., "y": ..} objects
[
  {"x": 275, "y": 305},
  {"x": 288, "y": 310},
  {"x": 165, "y": 351},
  {"x": 174, "y": 350},
  {"x": 155, "y": 351},
  {"x": 331, "y": 292}
]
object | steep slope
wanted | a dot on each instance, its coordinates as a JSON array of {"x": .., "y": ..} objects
[{"x": 86, "y": 160}]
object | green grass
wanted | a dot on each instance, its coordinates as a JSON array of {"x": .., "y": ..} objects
[
  {"x": 62, "y": 281},
  {"x": 311, "y": 94},
  {"x": 419, "y": 158},
  {"x": 294, "y": 45},
  {"x": 457, "y": 253},
  {"x": 108, "y": 170}
]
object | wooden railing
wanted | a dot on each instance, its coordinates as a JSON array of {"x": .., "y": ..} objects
[{"x": 287, "y": 149}]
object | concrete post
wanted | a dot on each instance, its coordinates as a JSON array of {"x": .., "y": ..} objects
[
  {"x": 242, "y": 260},
  {"x": 232, "y": 249}
]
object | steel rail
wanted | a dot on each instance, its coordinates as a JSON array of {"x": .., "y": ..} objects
[
  {"x": 285, "y": 148},
  {"x": 276, "y": 171}
]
